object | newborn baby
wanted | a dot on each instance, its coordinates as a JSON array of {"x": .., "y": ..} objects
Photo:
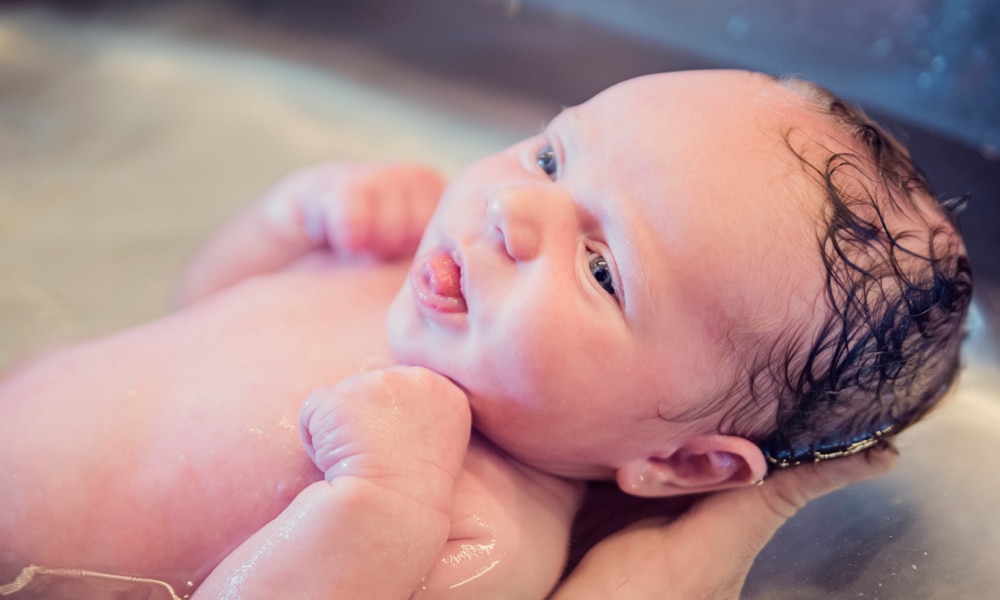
[{"x": 606, "y": 300}]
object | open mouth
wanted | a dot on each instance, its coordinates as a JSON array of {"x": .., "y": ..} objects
[{"x": 437, "y": 282}]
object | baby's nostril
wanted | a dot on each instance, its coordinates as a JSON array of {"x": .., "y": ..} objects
[{"x": 514, "y": 223}]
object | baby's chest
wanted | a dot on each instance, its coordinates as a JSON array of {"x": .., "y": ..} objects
[{"x": 187, "y": 423}]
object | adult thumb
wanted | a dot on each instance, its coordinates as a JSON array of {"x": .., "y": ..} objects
[{"x": 732, "y": 527}]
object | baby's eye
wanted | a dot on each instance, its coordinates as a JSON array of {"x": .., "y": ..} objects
[
  {"x": 547, "y": 161},
  {"x": 601, "y": 272}
]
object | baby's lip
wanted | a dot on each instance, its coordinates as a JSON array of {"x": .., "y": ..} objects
[{"x": 436, "y": 278}]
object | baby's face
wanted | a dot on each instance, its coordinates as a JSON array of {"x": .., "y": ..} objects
[{"x": 586, "y": 283}]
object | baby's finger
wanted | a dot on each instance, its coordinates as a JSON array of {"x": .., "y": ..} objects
[
  {"x": 385, "y": 418},
  {"x": 392, "y": 231},
  {"x": 351, "y": 218},
  {"x": 291, "y": 214},
  {"x": 406, "y": 199}
]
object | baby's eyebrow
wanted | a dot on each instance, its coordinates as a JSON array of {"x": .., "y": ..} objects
[
  {"x": 565, "y": 108},
  {"x": 546, "y": 122}
]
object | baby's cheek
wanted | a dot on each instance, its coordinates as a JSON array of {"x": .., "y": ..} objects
[{"x": 400, "y": 326}]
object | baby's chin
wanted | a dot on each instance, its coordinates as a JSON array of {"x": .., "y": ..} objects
[{"x": 407, "y": 335}]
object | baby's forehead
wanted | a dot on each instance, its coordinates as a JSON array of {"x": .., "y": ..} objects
[
  {"x": 752, "y": 111},
  {"x": 716, "y": 91},
  {"x": 758, "y": 209}
]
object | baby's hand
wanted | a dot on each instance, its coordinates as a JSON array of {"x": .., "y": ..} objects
[
  {"x": 405, "y": 428},
  {"x": 375, "y": 209},
  {"x": 379, "y": 209},
  {"x": 391, "y": 444}
]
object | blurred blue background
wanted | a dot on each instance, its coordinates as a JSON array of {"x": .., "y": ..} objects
[{"x": 933, "y": 62}]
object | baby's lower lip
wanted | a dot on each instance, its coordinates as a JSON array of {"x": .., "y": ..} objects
[{"x": 436, "y": 279}]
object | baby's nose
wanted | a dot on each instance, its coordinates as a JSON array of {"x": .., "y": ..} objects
[{"x": 512, "y": 212}]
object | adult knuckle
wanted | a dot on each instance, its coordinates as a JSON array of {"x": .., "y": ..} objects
[{"x": 784, "y": 501}]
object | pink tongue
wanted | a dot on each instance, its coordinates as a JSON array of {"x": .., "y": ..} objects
[{"x": 443, "y": 276}]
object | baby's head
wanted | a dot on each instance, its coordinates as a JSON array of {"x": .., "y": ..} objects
[
  {"x": 685, "y": 276},
  {"x": 885, "y": 345}
]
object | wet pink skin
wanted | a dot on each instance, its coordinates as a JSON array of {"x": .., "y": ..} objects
[
  {"x": 172, "y": 405},
  {"x": 156, "y": 451}
]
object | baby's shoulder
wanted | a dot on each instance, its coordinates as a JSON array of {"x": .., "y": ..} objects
[{"x": 508, "y": 520}]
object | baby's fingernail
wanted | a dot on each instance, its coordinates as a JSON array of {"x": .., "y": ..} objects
[{"x": 312, "y": 223}]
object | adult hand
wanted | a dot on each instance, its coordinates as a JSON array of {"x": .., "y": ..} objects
[{"x": 708, "y": 551}]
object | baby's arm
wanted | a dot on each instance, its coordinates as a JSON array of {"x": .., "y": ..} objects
[
  {"x": 376, "y": 209},
  {"x": 391, "y": 444}
]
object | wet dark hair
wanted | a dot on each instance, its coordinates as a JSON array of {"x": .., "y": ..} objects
[{"x": 889, "y": 346}]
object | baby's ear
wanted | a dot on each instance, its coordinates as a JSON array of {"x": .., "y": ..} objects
[{"x": 703, "y": 463}]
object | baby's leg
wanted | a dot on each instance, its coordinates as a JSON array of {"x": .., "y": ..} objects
[{"x": 391, "y": 444}]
